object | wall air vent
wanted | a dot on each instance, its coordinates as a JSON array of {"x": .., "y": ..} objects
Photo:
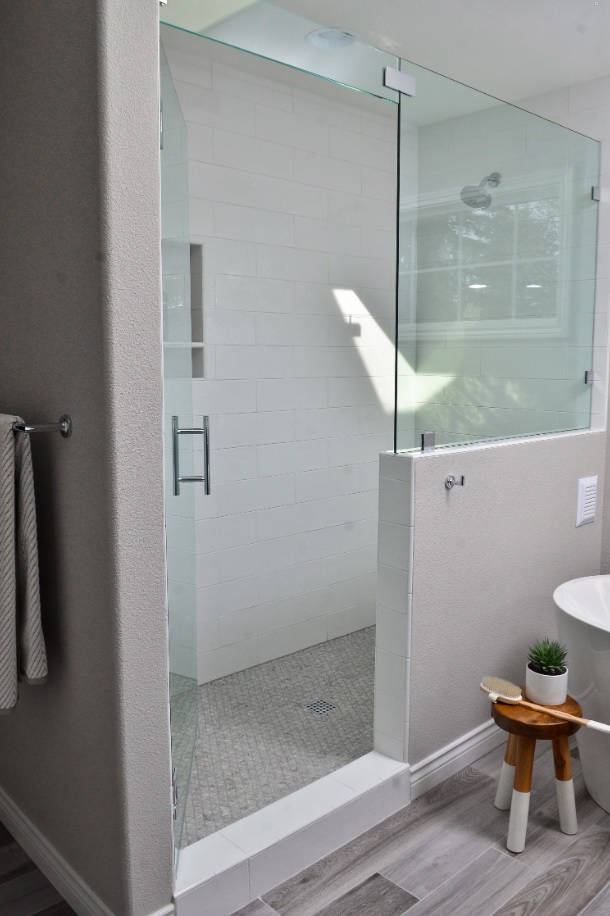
[{"x": 587, "y": 497}]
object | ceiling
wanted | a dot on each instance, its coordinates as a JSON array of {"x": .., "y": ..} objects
[{"x": 511, "y": 49}]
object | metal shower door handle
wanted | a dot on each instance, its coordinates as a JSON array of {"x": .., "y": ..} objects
[{"x": 197, "y": 431}]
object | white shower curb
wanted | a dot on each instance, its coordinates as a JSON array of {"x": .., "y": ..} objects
[{"x": 226, "y": 870}]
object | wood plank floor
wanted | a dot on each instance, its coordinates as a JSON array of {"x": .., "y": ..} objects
[
  {"x": 447, "y": 853},
  {"x": 24, "y": 890},
  {"x": 444, "y": 855}
]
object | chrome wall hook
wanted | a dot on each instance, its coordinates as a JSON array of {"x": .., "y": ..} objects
[{"x": 452, "y": 481}]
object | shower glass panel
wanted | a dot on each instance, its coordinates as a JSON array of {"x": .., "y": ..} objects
[
  {"x": 292, "y": 211},
  {"x": 271, "y": 32},
  {"x": 497, "y": 240},
  {"x": 178, "y": 401}
]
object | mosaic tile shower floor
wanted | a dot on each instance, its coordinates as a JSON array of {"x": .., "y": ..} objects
[{"x": 256, "y": 740}]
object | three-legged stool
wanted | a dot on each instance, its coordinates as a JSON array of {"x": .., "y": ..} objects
[{"x": 525, "y": 727}]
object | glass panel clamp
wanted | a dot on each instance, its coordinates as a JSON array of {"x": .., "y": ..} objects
[
  {"x": 591, "y": 377},
  {"x": 428, "y": 442},
  {"x": 401, "y": 82}
]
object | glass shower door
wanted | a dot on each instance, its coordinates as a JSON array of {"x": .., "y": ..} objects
[
  {"x": 179, "y": 447},
  {"x": 292, "y": 269}
]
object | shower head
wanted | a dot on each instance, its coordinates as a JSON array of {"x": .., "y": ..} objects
[{"x": 476, "y": 196}]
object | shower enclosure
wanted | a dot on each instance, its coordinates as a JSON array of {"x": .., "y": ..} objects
[{"x": 342, "y": 271}]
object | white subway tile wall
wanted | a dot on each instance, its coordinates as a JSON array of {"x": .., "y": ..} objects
[{"x": 292, "y": 197}]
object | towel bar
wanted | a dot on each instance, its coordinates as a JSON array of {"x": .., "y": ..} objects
[{"x": 64, "y": 427}]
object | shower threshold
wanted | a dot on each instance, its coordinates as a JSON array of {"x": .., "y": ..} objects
[{"x": 226, "y": 870}]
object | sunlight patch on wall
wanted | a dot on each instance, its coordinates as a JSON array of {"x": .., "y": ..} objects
[{"x": 373, "y": 340}]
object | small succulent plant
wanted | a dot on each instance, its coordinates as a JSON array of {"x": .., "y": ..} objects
[{"x": 547, "y": 656}]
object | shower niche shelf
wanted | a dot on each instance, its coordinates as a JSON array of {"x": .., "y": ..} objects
[{"x": 197, "y": 354}]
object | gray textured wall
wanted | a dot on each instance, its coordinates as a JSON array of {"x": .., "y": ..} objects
[
  {"x": 585, "y": 107},
  {"x": 86, "y": 757},
  {"x": 487, "y": 558}
]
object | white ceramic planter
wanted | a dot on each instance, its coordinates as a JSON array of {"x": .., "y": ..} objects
[{"x": 546, "y": 689}]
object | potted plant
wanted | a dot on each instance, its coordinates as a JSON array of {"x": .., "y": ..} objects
[{"x": 546, "y": 675}]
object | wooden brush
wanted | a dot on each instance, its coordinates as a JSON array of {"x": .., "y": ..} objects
[{"x": 501, "y": 691}]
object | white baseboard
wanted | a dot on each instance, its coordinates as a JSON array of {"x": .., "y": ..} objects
[
  {"x": 51, "y": 863},
  {"x": 453, "y": 757}
]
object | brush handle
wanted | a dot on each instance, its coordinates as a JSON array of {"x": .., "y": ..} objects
[
  {"x": 554, "y": 712},
  {"x": 591, "y": 723},
  {"x": 549, "y": 710}
]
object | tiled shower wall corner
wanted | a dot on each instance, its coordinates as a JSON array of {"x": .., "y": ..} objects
[
  {"x": 292, "y": 197},
  {"x": 394, "y": 599}
]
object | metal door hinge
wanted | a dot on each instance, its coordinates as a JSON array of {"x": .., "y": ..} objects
[
  {"x": 596, "y": 193},
  {"x": 174, "y": 794},
  {"x": 590, "y": 377},
  {"x": 161, "y": 124}
]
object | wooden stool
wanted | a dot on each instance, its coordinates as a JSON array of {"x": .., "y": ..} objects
[{"x": 525, "y": 727}]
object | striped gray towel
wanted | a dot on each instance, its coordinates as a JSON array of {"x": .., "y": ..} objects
[{"x": 22, "y": 648}]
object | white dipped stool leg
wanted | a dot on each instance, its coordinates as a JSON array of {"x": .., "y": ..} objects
[
  {"x": 507, "y": 776},
  {"x": 517, "y": 826},
  {"x": 565, "y": 786},
  {"x": 520, "y": 803},
  {"x": 567, "y": 806}
]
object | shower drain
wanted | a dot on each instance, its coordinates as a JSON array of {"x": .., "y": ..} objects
[{"x": 320, "y": 707}]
